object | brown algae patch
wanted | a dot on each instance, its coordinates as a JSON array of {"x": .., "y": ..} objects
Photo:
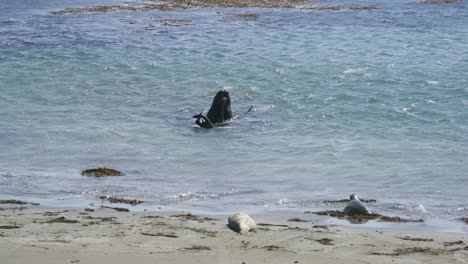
[
  {"x": 338, "y": 8},
  {"x": 416, "y": 239},
  {"x": 242, "y": 3},
  {"x": 101, "y": 172},
  {"x": 11, "y": 201},
  {"x": 107, "y": 9},
  {"x": 132, "y": 202},
  {"x": 196, "y": 248},
  {"x": 62, "y": 220},
  {"x": 169, "y": 21},
  {"x": 365, "y": 218},
  {"x": 193, "y": 217},
  {"x": 175, "y": 5},
  {"x": 439, "y": 2},
  {"x": 160, "y": 235},
  {"x": 420, "y": 250},
  {"x": 325, "y": 241}
]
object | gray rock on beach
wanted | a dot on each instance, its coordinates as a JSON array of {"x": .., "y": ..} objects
[
  {"x": 241, "y": 223},
  {"x": 356, "y": 207}
]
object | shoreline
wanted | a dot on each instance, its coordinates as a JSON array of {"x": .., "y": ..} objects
[
  {"x": 454, "y": 225},
  {"x": 71, "y": 235}
]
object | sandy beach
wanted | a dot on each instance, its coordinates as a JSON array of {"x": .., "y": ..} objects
[{"x": 103, "y": 235}]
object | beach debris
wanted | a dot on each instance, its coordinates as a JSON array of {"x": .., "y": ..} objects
[
  {"x": 277, "y": 225},
  {"x": 364, "y": 218},
  {"x": 11, "y": 201},
  {"x": 10, "y": 227},
  {"x": 120, "y": 209},
  {"x": 62, "y": 220},
  {"x": 241, "y": 223},
  {"x": 325, "y": 241},
  {"x": 356, "y": 207},
  {"x": 132, "y": 202},
  {"x": 321, "y": 226},
  {"x": 298, "y": 220},
  {"x": 449, "y": 244},
  {"x": 160, "y": 235},
  {"x": 101, "y": 172},
  {"x": 196, "y": 248},
  {"x": 202, "y": 231},
  {"x": 272, "y": 248},
  {"x": 194, "y": 217},
  {"x": 416, "y": 239},
  {"x": 414, "y": 250}
]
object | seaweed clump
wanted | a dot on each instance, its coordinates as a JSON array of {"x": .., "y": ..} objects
[
  {"x": 464, "y": 219},
  {"x": 361, "y": 218},
  {"x": 132, "y": 202},
  {"x": 101, "y": 172},
  {"x": 10, "y": 201},
  {"x": 107, "y": 9},
  {"x": 337, "y": 8},
  {"x": 439, "y": 2}
]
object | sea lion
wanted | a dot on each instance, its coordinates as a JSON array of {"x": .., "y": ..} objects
[
  {"x": 219, "y": 114},
  {"x": 241, "y": 223},
  {"x": 356, "y": 207}
]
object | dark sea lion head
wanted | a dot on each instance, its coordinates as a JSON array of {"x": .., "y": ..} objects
[{"x": 220, "y": 110}]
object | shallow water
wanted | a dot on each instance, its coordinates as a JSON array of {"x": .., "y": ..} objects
[{"x": 372, "y": 102}]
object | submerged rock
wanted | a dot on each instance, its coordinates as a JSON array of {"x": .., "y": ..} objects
[{"x": 101, "y": 172}]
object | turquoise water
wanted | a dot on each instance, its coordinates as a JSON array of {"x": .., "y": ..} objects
[{"x": 372, "y": 102}]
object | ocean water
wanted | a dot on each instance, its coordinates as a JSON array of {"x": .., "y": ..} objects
[{"x": 373, "y": 102}]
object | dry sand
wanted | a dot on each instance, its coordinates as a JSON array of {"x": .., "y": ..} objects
[{"x": 30, "y": 235}]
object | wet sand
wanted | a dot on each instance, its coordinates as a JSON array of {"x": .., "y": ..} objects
[{"x": 103, "y": 235}]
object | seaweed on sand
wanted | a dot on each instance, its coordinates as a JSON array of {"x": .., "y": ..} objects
[
  {"x": 365, "y": 218},
  {"x": 11, "y": 201}
]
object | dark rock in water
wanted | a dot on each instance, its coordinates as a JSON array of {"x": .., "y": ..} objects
[
  {"x": 464, "y": 219},
  {"x": 101, "y": 172}
]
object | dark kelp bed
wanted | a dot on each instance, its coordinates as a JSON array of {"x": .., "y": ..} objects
[{"x": 178, "y": 5}]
